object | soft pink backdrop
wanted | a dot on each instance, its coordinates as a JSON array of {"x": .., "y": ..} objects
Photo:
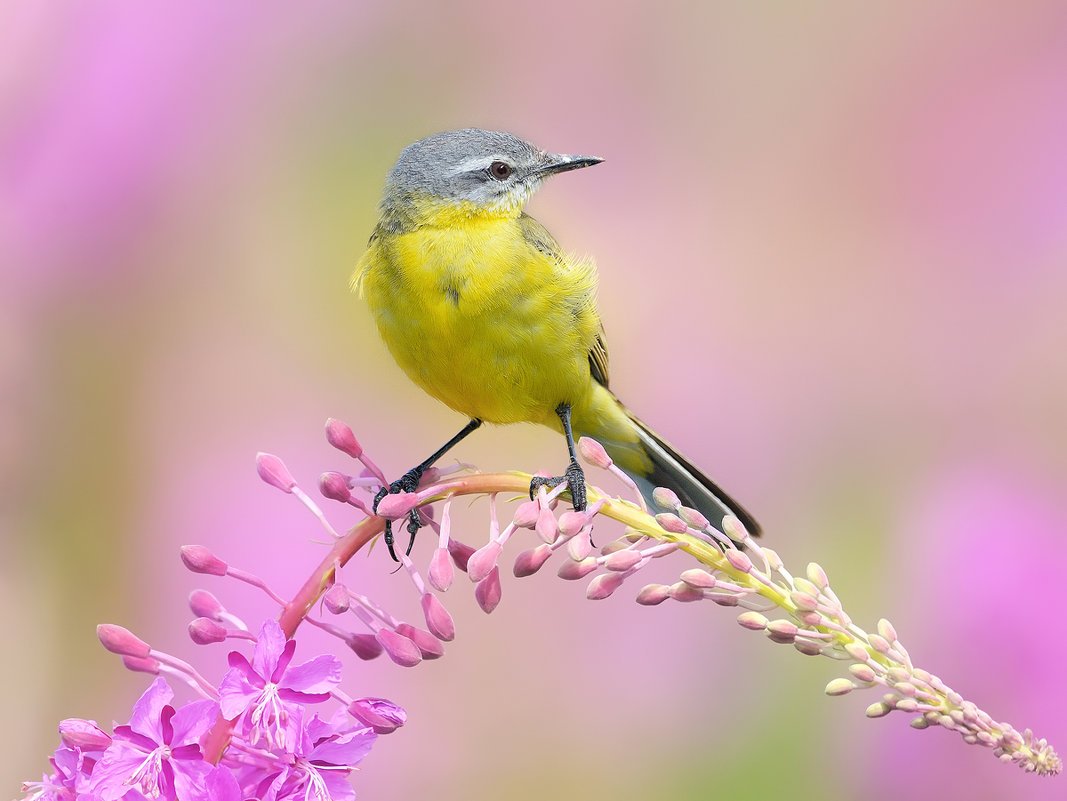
[{"x": 833, "y": 248}]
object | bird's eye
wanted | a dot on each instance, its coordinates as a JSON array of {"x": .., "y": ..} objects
[{"x": 500, "y": 170}]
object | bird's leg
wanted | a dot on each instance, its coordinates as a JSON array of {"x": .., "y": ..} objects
[
  {"x": 409, "y": 482},
  {"x": 573, "y": 475}
]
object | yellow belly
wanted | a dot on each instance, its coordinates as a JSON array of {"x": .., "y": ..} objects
[{"x": 482, "y": 320}]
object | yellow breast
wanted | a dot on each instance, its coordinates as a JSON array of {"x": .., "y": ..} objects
[{"x": 482, "y": 319}]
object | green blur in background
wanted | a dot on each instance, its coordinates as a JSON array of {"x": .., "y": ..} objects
[{"x": 833, "y": 254}]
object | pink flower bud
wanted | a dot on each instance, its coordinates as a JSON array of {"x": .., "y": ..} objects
[
  {"x": 204, "y": 631},
  {"x": 438, "y": 620},
  {"x": 273, "y": 470},
  {"x": 381, "y": 715},
  {"x": 699, "y": 578},
  {"x": 529, "y": 562},
  {"x": 738, "y": 560},
  {"x": 580, "y": 546},
  {"x": 753, "y": 621},
  {"x": 341, "y": 437},
  {"x": 886, "y": 630},
  {"x": 461, "y": 553},
  {"x": 397, "y": 505},
  {"x": 693, "y": 518},
  {"x": 804, "y": 601},
  {"x": 122, "y": 641},
  {"x": 335, "y": 487},
  {"x": 672, "y": 523},
  {"x": 603, "y": 585},
  {"x": 365, "y": 646},
  {"x": 484, "y": 560},
  {"x": 399, "y": 648},
  {"x": 487, "y": 593},
  {"x": 429, "y": 646},
  {"x": 594, "y": 453},
  {"x": 734, "y": 529},
  {"x": 204, "y": 604},
  {"x": 570, "y": 523},
  {"x": 665, "y": 498},
  {"x": 546, "y": 526},
  {"x": 782, "y": 630},
  {"x": 621, "y": 561},
  {"x": 199, "y": 559},
  {"x": 680, "y": 591},
  {"x": 336, "y": 599},
  {"x": 817, "y": 576},
  {"x": 653, "y": 594},
  {"x": 141, "y": 665},
  {"x": 526, "y": 514},
  {"x": 572, "y": 571},
  {"x": 441, "y": 571},
  {"x": 83, "y": 734}
]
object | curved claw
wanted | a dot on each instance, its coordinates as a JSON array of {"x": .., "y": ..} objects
[
  {"x": 574, "y": 477},
  {"x": 409, "y": 482}
]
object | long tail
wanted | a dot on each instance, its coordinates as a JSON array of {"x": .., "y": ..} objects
[{"x": 652, "y": 462}]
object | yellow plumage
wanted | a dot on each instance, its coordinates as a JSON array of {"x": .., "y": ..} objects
[{"x": 482, "y": 319}]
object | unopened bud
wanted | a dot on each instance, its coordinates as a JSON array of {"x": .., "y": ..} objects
[
  {"x": 381, "y": 715},
  {"x": 594, "y": 453},
  {"x": 273, "y": 470},
  {"x": 204, "y": 631},
  {"x": 199, "y": 559},
  {"x": 335, "y": 487},
  {"x": 83, "y": 734},
  {"x": 438, "y": 620},
  {"x": 665, "y": 498},
  {"x": 336, "y": 599},
  {"x": 488, "y": 591},
  {"x": 204, "y": 604},
  {"x": 341, "y": 437},
  {"x": 122, "y": 641}
]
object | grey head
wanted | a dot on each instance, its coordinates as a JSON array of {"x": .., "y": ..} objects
[{"x": 489, "y": 171}]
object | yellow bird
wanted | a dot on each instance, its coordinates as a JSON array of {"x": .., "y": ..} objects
[{"x": 483, "y": 309}]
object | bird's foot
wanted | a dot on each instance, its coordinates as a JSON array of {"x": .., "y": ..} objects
[
  {"x": 575, "y": 478},
  {"x": 409, "y": 482}
]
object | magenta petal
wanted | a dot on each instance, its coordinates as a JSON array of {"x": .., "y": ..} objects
[
  {"x": 269, "y": 647},
  {"x": 338, "y": 786},
  {"x": 348, "y": 750},
  {"x": 222, "y": 786},
  {"x": 113, "y": 769},
  {"x": 192, "y": 720},
  {"x": 190, "y": 779},
  {"x": 236, "y": 694},
  {"x": 239, "y": 661},
  {"x": 146, "y": 712},
  {"x": 283, "y": 661},
  {"x": 298, "y": 697},
  {"x": 318, "y": 675}
]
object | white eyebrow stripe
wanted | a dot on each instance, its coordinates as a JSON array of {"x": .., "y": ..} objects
[{"x": 477, "y": 163}]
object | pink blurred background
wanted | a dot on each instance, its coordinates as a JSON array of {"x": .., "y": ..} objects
[{"x": 832, "y": 245}]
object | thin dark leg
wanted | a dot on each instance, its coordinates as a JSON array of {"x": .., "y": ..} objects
[
  {"x": 574, "y": 476},
  {"x": 409, "y": 482}
]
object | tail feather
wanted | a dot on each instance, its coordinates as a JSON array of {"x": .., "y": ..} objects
[
  {"x": 652, "y": 462},
  {"x": 672, "y": 470}
]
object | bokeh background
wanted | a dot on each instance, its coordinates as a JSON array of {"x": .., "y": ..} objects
[{"x": 833, "y": 248}]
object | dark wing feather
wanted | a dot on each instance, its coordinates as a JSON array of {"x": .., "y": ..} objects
[{"x": 538, "y": 236}]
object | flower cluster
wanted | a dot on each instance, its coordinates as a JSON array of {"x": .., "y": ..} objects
[{"x": 280, "y": 742}]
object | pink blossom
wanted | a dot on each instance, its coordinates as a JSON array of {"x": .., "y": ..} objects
[
  {"x": 267, "y": 693},
  {"x": 158, "y": 752}
]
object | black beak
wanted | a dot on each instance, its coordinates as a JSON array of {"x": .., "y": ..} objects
[{"x": 561, "y": 163}]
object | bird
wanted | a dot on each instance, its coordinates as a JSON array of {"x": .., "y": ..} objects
[{"x": 481, "y": 307}]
